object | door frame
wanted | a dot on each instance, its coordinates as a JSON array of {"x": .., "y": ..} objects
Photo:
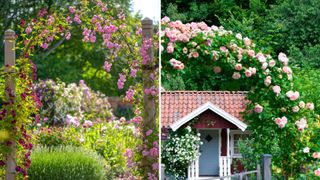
[{"x": 219, "y": 155}]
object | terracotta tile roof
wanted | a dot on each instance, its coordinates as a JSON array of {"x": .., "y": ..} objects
[{"x": 177, "y": 104}]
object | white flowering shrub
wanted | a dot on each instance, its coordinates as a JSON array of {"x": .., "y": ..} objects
[{"x": 179, "y": 151}]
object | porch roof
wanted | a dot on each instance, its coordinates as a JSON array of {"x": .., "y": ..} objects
[{"x": 178, "y": 107}]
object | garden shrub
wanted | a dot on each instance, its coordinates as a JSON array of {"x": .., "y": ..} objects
[
  {"x": 66, "y": 163},
  {"x": 60, "y": 100},
  {"x": 180, "y": 150}
]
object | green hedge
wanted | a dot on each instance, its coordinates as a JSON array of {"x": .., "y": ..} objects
[{"x": 66, "y": 163}]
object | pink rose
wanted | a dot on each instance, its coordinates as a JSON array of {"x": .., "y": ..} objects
[
  {"x": 316, "y": 155},
  {"x": 248, "y": 73},
  {"x": 251, "y": 53},
  {"x": 44, "y": 45},
  {"x": 28, "y": 30},
  {"x": 302, "y": 124},
  {"x": 310, "y": 106},
  {"x": 247, "y": 41},
  {"x": 149, "y": 132},
  {"x": 258, "y": 108},
  {"x": 170, "y": 49},
  {"x": 165, "y": 20},
  {"x": 195, "y": 54},
  {"x": 71, "y": 9},
  {"x": 236, "y": 75},
  {"x": 261, "y": 58},
  {"x": 286, "y": 70},
  {"x": 264, "y": 66},
  {"x": 276, "y": 89},
  {"x": 272, "y": 63},
  {"x": 238, "y": 67},
  {"x": 281, "y": 122},
  {"x": 302, "y": 104},
  {"x": 239, "y": 36},
  {"x": 295, "y": 109},
  {"x": 293, "y": 95},
  {"x": 253, "y": 70},
  {"x": 216, "y": 69},
  {"x": 317, "y": 172},
  {"x": 283, "y": 58}
]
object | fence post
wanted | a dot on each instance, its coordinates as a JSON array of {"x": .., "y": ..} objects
[
  {"x": 149, "y": 104},
  {"x": 266, "y": 166},
  {"x": 9, "y": 59},
  {"x": 258, "y": 172}
]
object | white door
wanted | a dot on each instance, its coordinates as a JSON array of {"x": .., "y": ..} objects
[{"x": 209, "y": 158}]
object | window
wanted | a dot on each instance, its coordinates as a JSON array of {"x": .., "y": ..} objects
[{"x": 236, "y": 137}]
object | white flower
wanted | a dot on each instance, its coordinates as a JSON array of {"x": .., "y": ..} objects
[{"x": 306, "y": 150}]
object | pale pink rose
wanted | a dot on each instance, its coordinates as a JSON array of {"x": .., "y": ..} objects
[
  {"x": 286, "y": 70},
  {"x": 253, "y": 70},
  {"x": 295, "y": 109},
  {"x": 272, "y": 63},
  {"x": 267, "y": 82},
  {"x": 316, "y": 155},
  {"x": 281, "y": 122},
  {"x": 170, "y": 49},
  {"x": 247, "y": 41},
  {"x": 251, "y": 53},
  {"x": 239, "y": 36},
  {"x": 302, "y": 124},
  {"x": 276, "y": 89},
  {"x": 310, "y": 106},
  {"x": 258, "y": 108},
  {"x": 216, "y": 69},
  {"x": 185, "y": 50},
  {"x": 261, "y": 57},
  {"x": 28, "y": 30},
  {"x": 238, "y": 67},
  {"x": 293, "y": 95},
  {"x": 195, "y": 54},
  {"x": 194, "y": 44},
  {"x": 317, "y": 172},
  {"x": 248, "y": 73},
  {"x": 223, "y": 49},
  {"x": 165, "y": 20},
  {"x": 302, "y": 104},
  {"x": 264, "y": 66},
  {"x": 236, "y": 75},
  {"x": 283, "y": 58}
]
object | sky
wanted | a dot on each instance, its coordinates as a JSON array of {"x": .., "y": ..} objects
[{"x": 148, "y": 8}]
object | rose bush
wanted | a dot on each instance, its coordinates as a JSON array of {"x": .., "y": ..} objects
[{"x": 272, "y": 114}]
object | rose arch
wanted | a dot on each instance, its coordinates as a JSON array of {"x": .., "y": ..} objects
[
  {"x": 281, "y": 123},
  {"x": 123, "y": 43}
]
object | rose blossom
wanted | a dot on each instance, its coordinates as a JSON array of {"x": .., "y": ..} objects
[
  {"x": 267, "y": 81},
  {"x": 236, "y": 75},
  {"x": 264, "y": 66},
  {"x": 283, "y": 58},
  {"x": 316, "y": 155},
  {"x": 253, "y": 70},
  {"x": 317, "y": 172},
  {"x": 251, "y": 53},
  {"x": 248, "y": 73},
  {"x": 28, "y": 30},
  {"x": 247, "y": 41},
  {"x": 302, "y": 124},
  {"x": 239, "y": 36},
  {"x": 170, "y": 49},
  {"x": 276, "y": 89},
  {"x": 272, "y": 63},
  {"x": 295, "y": 108},
  {"x": 293, "y": 95},
  {"x": 281, "y": 122},
  {"x": 258, "y": 108},
  {"x": 310, "y": 106},
  {"x": 216, "y": 69},
  {"x": 195, "y": 54},
  {"x": 238, "y": 67},
  {"x": 302, "y": 104}
]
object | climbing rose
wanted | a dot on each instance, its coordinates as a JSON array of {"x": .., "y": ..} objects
[
  {"x": 302, "y": 104},
  {"x": 236, "y": 75},
  {"x": 316, "y": 155},
  {"x": 170, "y": 49},
  {"x": 302, "y": 124},
  {"x": 238, "y": 67},
  {"x": 317, "y": 172},
  {"x": 239, "y": 36},
  {"x": 281, "y": 122},
  {"x": 195, "y": 54},
  {"x": 71, "y": 9},
  {"x": 283, "y": 58},
  {"x": 247, "y": 41},
  {"x": 310, "y": 106},
  {"x": 295, "y": 108},
  {"x": 44, "y": 45},
  {"x": 176, "y": 64},
  {"x": 272, "y": 63},
  {"x": 267, "y": 81},
  {"x": 248, "y": 73},
  {"x": 276, "y": 89},
  {"x": 293, "y": 95},
  {"x": 251, "y": 53},
  {"x": 258, "y": 108},
  {"x": 107, "y": 66},
  {"x": 253, "y": 70}
]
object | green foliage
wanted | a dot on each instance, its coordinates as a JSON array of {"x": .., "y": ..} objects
[
  {"x": 179, "y": 151},
  {"x": 66, "y": 163}
]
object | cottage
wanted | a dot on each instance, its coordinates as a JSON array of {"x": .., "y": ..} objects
[{"x": 217, "y": 116}]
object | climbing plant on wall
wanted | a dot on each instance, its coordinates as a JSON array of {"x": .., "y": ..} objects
[{"x": 276, "y": 115}]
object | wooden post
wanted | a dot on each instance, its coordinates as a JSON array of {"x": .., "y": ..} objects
[
  {"x": 266, "y": 166},
  {"x": 9, "y": 59},
  {"x": 149, "y": 103},
  {"x": 258, "y": 172}
]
